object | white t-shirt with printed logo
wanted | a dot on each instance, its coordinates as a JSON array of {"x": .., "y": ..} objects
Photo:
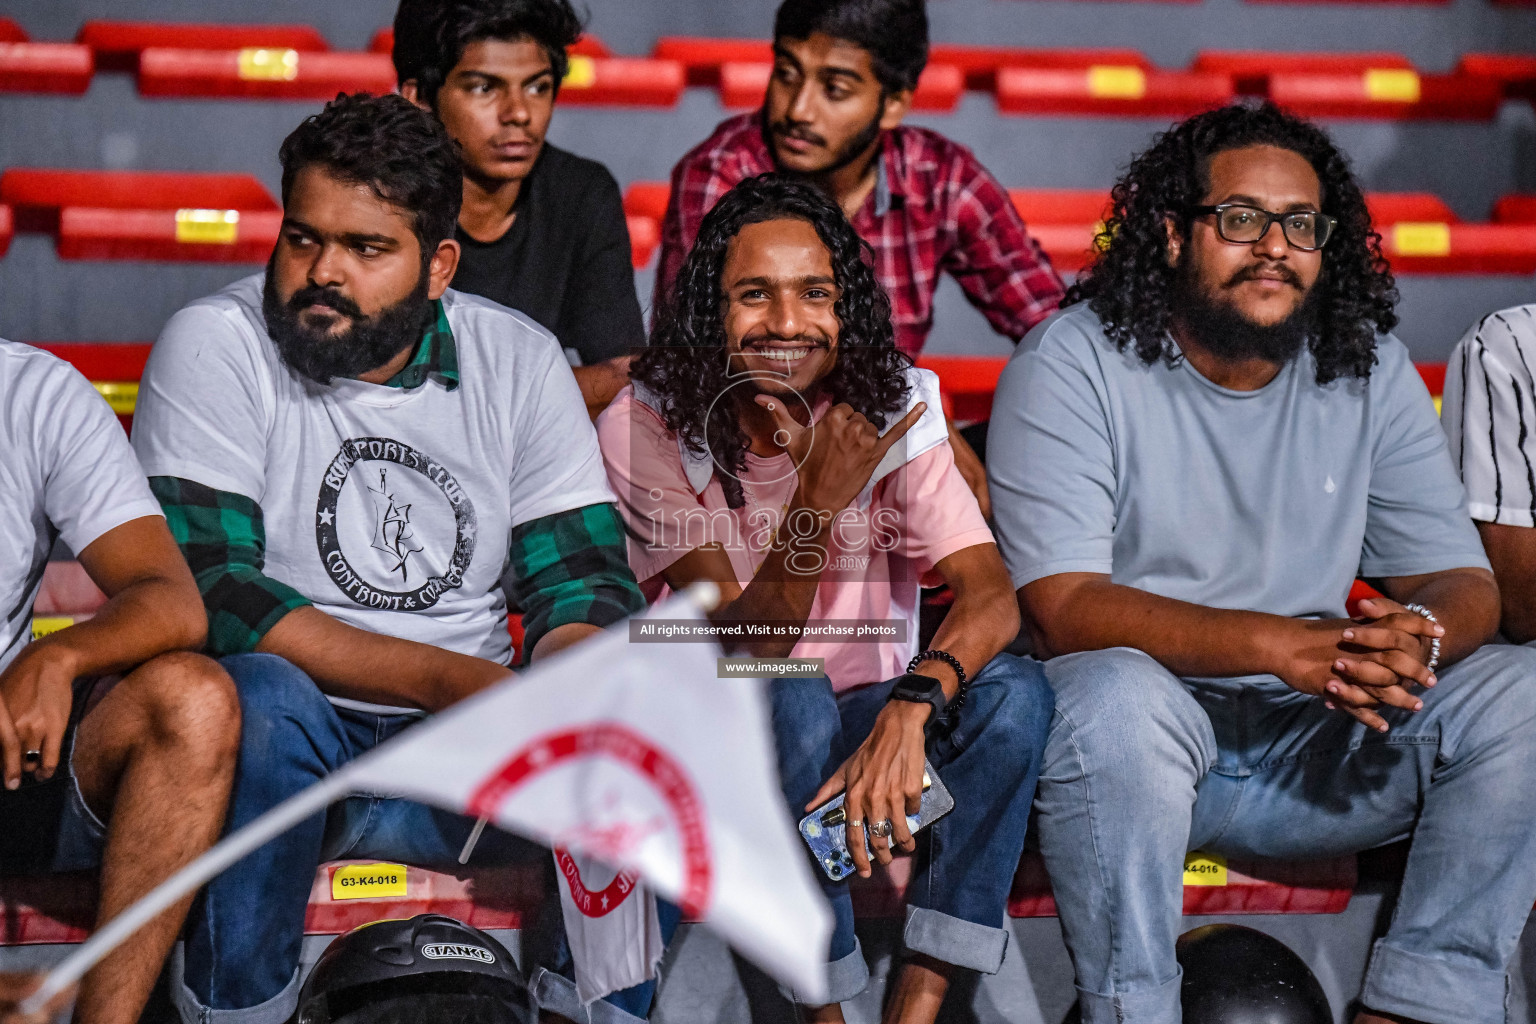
[
  {"x": 68, "y": 472},
  {"x": 389, "y": 508}
]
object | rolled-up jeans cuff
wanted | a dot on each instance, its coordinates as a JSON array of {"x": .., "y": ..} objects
[
  {"x": 953, "y": 941},
  {"x": 846, "y": 978},
  {"x": 557, "y": 994},
  {"x": 276, "y": 1010},
  {"x": 1158, "y": 1005},
  {"x": 1430, "y": 988}
]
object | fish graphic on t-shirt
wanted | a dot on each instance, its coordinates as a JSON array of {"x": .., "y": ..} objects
[{"x": 392, "y": 528}]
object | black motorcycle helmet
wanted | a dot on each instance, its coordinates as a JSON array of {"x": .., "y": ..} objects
[
  {"x": 427, "y": 969},
  {"x": 1237, "y": 975}
]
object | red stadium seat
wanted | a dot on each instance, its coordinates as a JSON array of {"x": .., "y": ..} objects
[
  {"x": 7, "y": 228},
  {"x": 146, "y": 215},
  {"x": 1392, "y": 207},
  {"x": 1441, "y": 248},
  {"x": 1365, "y": 85},
  {"x": 1516, "y": 209},
  {"x": 703, "y": 58},
  {"x": 37, "y": 191},
  {"x": 45, "y": 67},
  {"x": 1064, "y": 221},
  {"x": 1250, "y": 69},
  {"x": 383, "y": 41},
  {"x": 647, "y": 199},
  {"x": 1217, "y": 885},
  {"x": 1391, "y": 94},
  {"x": 743, "y": 85},
  {"x": 1114, "y": 90},
  {"x": 117, "y": 44},
  {"x": 967, "y": 383},
  {"x": 644, "y": 237},
  {"x": 181, "y": 236},
  {"x": 105, "y": 361},
  {"x": 10, "y": 32},
  {"x": 1515, "y": 73},
  {"x": 262, "y": 73},
  {"x": 980, "y": 64},
  {"x": 622, "y": 82}
]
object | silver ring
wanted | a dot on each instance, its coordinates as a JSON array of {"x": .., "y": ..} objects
[
  {"x": 855, "y": 822},
  {"x": 32, "y": 755},
  {"x": 881, "y": 828}
]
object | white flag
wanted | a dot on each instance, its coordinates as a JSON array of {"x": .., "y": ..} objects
[
  {"x": 637, "y": 756},
  {"x": 632, "y": 755}
]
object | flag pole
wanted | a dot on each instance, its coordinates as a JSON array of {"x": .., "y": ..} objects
[
  {"x": 270, "y": 825},
  {"x": 705, "y": 595}
]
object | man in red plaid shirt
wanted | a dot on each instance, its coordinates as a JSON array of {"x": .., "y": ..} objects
[{"x": 843, "y": 76}]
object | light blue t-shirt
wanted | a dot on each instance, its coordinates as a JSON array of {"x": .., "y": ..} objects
[{"x": 1270, "y": 500}]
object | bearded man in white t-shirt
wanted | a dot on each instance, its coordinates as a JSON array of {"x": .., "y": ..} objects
[
  {"x": 351, "y": 455},
  {"x": 117, "y": 747}
]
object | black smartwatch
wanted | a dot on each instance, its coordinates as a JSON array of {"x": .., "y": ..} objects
[{"x": 920, "y": 689}]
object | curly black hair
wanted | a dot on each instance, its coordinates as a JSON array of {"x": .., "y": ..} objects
[
  {"x": 431, "y": 35},
  {"x": 1130, "y": 284},
  {"x": 685, "y": 365},
  {"x": 391, "y": 145}
]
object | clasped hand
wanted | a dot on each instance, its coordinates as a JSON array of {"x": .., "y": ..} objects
[{"x": 1358, "y": 665}]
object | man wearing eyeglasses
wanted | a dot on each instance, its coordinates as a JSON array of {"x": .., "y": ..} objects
[{"x": 1192, "y": 464}]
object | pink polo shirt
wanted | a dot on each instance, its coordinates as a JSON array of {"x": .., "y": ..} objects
[{"x": 877, "y": 556}]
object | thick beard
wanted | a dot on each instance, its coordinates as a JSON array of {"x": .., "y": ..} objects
[
  {"x": 370, "y": 343},
  {"x": 1223, "y": 330},
  {"x": 850, "y": 152}
]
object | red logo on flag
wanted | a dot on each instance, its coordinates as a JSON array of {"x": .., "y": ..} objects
[{"x": 634, "y": 751}]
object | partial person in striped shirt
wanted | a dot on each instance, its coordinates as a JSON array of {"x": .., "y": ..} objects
[
  {"x": 843, "y": 76},
  {"x": 1490, "y": 418}
]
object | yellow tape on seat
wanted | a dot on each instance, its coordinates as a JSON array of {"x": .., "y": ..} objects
[
  {"x": 367, "y": 881},
  {"x": 257, "y": 63},
  {"x": 1410, "y": 238},
  {"x": 1205, "y": 869},
  {"x": 1117, "y": 82},
  {"x": 207, "y": 227},
  {"x": 121, "y": 395},
  {"x": 1392, "y": 85},
  {"x": 580, "y": 73}
]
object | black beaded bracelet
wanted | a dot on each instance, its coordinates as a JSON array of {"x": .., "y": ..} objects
[{"x": 934, "y": 654}]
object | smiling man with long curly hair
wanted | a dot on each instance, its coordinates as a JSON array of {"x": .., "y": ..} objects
[
  {"x": 1189, "y": 467},
  {"x": 777, "y": 444}
]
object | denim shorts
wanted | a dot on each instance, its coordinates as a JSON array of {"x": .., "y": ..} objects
[{"x": 48, "y": 827}]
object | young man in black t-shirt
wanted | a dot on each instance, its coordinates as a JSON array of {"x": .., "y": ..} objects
[{"x": 541, "y": 230}]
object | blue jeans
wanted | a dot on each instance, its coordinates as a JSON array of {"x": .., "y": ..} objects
[
  {"x": 966, "y": 860},
  {"x": 243, "y": 937},
  {"x": 1142, "y": 766}
]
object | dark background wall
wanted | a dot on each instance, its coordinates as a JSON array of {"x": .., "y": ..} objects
[{"x": 1468, "y": 164}]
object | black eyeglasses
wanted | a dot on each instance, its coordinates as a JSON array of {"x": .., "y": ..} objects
[{"x": 1307, "y": 230}]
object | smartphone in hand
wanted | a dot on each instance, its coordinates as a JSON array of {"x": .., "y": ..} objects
[{"x": 825, "y": 829}]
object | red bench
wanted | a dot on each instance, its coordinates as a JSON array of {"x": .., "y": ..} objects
[
  {"x": 7, "y": 228},
  {"x": 26, "y": 66},
  {"x": 146, "y": 215},
  {"x": 980, "y": 64},
  {"x": 262, "y": 73},
  {"x": 1110, "y": 90},
  {"x": 1355, "y": 85},
  {"x": 1515, "y": 209},
  {"x": 1515, "y": 73},
  {"x": 117, "y": 44}
]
